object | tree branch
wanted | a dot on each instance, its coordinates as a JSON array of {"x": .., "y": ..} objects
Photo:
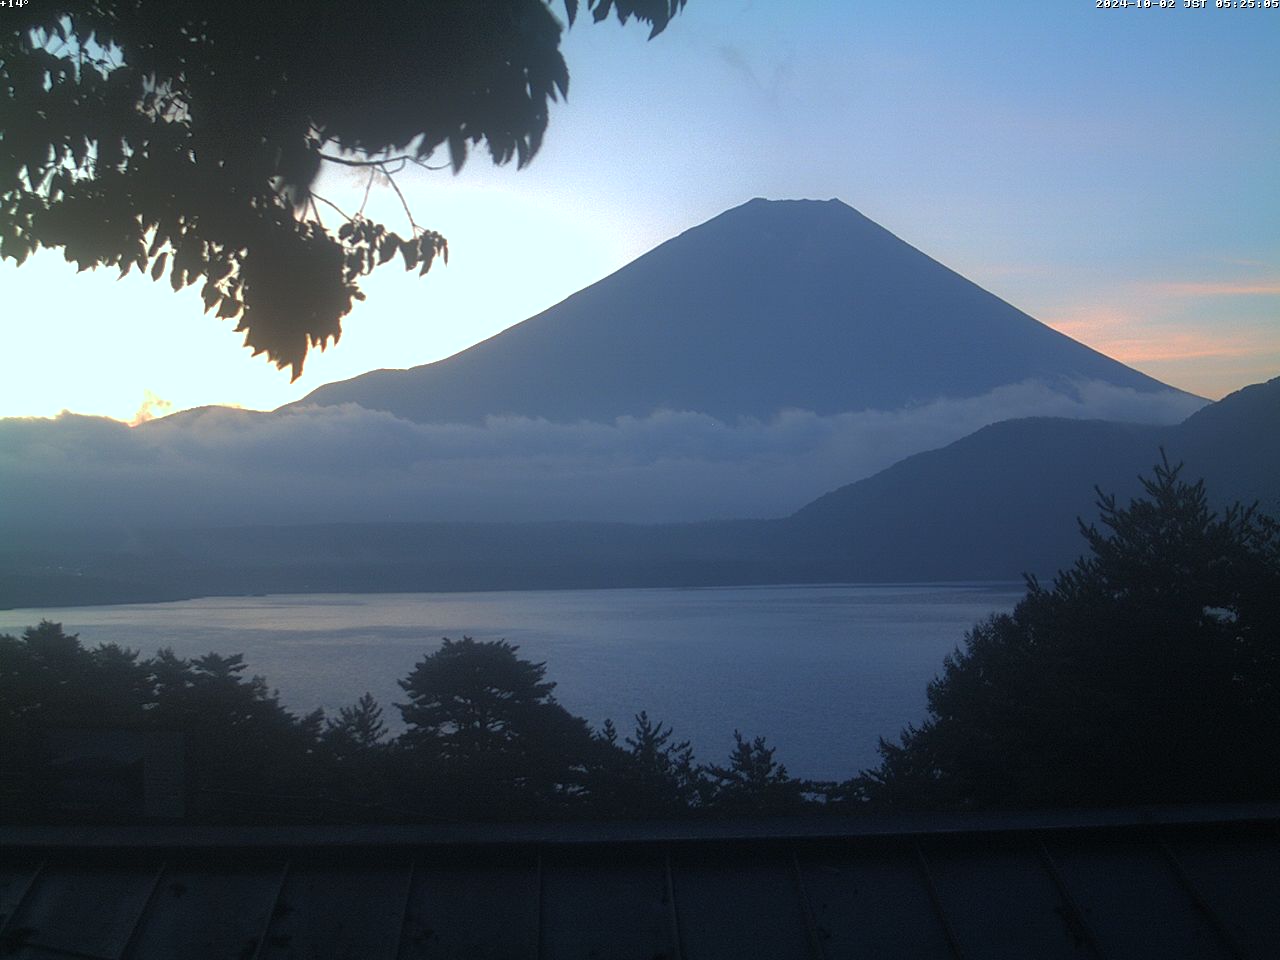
[
  {"x": 404, "y": 203},
  {"x": 402, "y": 159},
  {"x": 315, "y": 196},
  {"x": 367, "y": 187},
  {"x": 362, "y": 163}
]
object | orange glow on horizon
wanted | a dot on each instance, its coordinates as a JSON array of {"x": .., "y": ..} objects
[
  {"x": 1265, "y": 288},
  {"x": 1176, "y": 356}
]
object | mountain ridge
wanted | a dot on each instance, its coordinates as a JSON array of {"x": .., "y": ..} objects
[
  {"x": 1015, "y": 488},
  {"x": 772, "y": 305}
]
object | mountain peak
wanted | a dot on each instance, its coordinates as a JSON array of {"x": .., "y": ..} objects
[
  {"x": 772, "y": 305},
  {"x": 790, "y": 217}
]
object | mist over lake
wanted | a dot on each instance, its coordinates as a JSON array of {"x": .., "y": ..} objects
[{"x": 821, "y": 671}]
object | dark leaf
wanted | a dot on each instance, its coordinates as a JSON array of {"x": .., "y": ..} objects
[
  {"x": 210, "y": 294},
  {"x": 387, "y": 250}
]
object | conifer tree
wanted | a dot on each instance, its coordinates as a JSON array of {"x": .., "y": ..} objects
[
  {"x": 1148, "y": 672},
  {"x": 753, "y": 781}
]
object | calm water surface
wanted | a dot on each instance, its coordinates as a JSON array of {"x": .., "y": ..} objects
[{"x": 821, "y": 671}]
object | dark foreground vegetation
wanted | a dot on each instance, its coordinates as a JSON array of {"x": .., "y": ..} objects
[
  {"x": 483, "y": 738},
  {"x": 1148, "y": 673}
]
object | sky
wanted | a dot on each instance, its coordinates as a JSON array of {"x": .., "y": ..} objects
[{"x": 1110, "y": 172}]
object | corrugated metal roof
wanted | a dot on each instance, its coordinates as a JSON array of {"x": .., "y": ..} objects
[{"x": 1119, "y": 884}]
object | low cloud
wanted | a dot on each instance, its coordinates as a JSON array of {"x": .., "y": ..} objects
[{"x": 345, "y": 463}]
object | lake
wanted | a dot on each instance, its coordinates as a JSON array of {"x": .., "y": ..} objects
[{"x": 820, "y": 671}]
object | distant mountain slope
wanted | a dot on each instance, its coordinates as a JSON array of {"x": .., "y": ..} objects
[
  {"x": 1235, "y": 445},
  {"x": 772, "y": 305},
  {"x": 998, "y": 503},
  {"x": 1004, "y": 500}
]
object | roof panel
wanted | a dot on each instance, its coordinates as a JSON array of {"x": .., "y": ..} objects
[
  {"x": 1240, "y": 882},
  {"x": 1001, "y": 902},
  {"x": 89, "y": 910},
  {"x": 1133, "y": 901},
  {"x": 348, "y": 911},
  {"x": 479, "y": 892},
  {"x": 15, "y": 879},
  {"x": 209, "y": 911},
  {"x": 730, "y": 906},
  {"x": 615, "y": 908},
  {"x": 874, "y": 905},
  {"x": 477, "y": 908}
]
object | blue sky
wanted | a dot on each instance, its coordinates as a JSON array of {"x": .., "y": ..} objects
[{"x": 1111, "y": 172}]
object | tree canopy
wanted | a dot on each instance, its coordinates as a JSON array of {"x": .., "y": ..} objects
[
  {"x": 471, "y": 699},
  {"x": 484, "y": 721},
  {"x": 185, "y": 138},
  {"x": 1149, "y": 672},
  {"x": 483, "y": 737}
]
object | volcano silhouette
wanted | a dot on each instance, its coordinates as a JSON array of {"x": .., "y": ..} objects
[{"x": 773, "y": 305}]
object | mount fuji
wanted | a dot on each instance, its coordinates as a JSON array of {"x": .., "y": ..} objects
[{"x": 771, "y": 306}]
